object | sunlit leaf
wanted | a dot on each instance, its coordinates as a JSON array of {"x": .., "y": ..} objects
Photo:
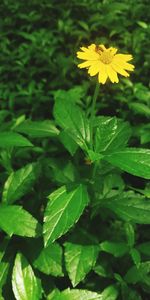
[
  {"x": 132, "y": 160},
  {"x": 63, "y": 210},
  {"x": 19, "y": 183},
  {"x": 15, "y": 220},
  {"x": 24, "y": 283}
]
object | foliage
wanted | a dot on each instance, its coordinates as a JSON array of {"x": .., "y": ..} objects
[{"x": 75, "y": 195}]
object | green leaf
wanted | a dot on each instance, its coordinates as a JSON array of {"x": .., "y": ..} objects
[
  {"x": 144, "y": 133},
  {"x": 15, "y": 220},
  {"x": 135, "y": 209},
  {"x": 132, "y": 160},
  {"x": 128, "y": 293},
  {"x": 37, "y": 129},
  {"x": 103, "y": 268},
  {"x": 53, "y": 295},
  {"x": 71, "y": 118},
  {"x": 116, "y": 249},
  {"x": 12, "y": 139},
  {"x": 145, "y": 136},
  {"x": 142, "y": 24},
  {"x": 72, "y": 95},
  {"x": 140, "y": 108},
  {"x": 19, "y": 183},
  {"x": 93, "y": 156},
  {"x": 4, "y": 268},
  {"x": 63, "y": 210},
  {"x": 60, "y": 170},
  {"x": 3, "y": 247},
  {"x": 49, "y": 260},
  {"x": 78, "y": 295},
  {"x": 130, "y": 234},
  {"x": 111, "y": 134},
  {"x": 138, "y": 274},
  {"x": 68, "y": 142},
  {"x": 135, "y": 256},
  {"x": 80, "y": 258},
  {"x": 141, "y": 92},
  {"x": 144, "y": 248},
  {"x": 24, "y": 283},
  {"x": 110, "y": 293}
]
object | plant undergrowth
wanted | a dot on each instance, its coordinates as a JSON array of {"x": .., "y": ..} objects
[{"x": 75, "y": 198}]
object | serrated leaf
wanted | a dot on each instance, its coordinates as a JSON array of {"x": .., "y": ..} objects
[
  {"x": 63, "y": 210},
  {"x": 24, "y": 283},
  {"x": 78, "y": 295},
  {"x": 134, "y": 209},
  {"x": 13, "y": 139},
  {"x": 114, "y": 248},
  {"x": 79, "y": 259},
  {"x": 38, "y": 129},
  {"x": 132, "y": 160},
  {"x": 19, "y": 183},
  {"x": 49, "y": 260},
  {"x": 15, "y": 220},
  {"x": 111, "y": 134},
  {"x": 71, "y": 118}
]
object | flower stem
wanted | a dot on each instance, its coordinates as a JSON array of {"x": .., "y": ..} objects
[{"x": 93, "y": 111}]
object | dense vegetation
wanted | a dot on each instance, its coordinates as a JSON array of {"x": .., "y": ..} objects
[{"x": 75, "y": 210}]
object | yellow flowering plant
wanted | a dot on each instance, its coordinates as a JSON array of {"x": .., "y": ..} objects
[
  {"x": 105, "y": 62},
  {"x": 75, "y": 192}
]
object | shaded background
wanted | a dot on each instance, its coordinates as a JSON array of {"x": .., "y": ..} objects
[{"x": 39, "y": 40}]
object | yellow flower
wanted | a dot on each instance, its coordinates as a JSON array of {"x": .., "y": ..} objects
[{"x": 105, "y": 62}]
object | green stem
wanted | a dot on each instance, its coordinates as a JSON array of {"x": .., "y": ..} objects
[{"x": 96, "y": 92}]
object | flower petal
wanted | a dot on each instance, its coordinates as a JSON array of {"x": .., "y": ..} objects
[
  {"x": 124, "y": 57},
  {"x": 113, "y": 50},
  {"x": 92, "y": 47},
  {"x": 124, "y": 65},
  {"x": 119, "y": 69},
  {"x": 85, "y": 64},
  {"x": 102, "y": 76},
  {"x": 112, "y": 74},
  {"x": 88, "y": 55},
  {"x": 94, "y": 69},
  {"x": 102, "y": 46},
  {"x": 84, "y": 49}
]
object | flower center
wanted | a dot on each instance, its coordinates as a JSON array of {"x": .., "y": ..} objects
[{"x": 106, "y": 57}]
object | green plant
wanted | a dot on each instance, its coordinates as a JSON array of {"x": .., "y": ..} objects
[{"x": 75, "y": 208}]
